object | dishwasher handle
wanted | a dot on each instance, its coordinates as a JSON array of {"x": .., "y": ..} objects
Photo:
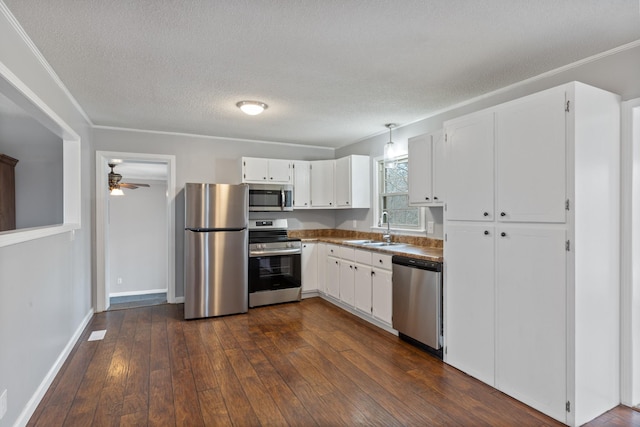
[{"x": 417, "y": 263}]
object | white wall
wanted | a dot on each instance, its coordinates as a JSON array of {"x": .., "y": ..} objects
[
  {"x": 138, "y": 239},
  {"x": 617, "y": 73},
  {"x": 45, "y": 284},
  {"x": 214, "y": 160}
]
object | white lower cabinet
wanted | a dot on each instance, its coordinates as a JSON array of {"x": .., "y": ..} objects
[
  {"x": 359, "y": 279},
  {"x": 381, "y": 295},
  {"x": 309, "y": 264},
  {"x": 531, "y": 310},
  {"x": 322, "y": 271},
  {"x": 469, "y": 300}
]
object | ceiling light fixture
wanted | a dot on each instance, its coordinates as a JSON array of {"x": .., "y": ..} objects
[
  {"x": 252, "y": 107},
  {"x": 390, "y": 154},
  {"x": 116, "y": 191}
]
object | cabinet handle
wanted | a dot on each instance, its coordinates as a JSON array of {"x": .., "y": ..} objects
[
  {"x": 373, "y": 273},
  {"x": 503, "y": 214},
  {"x": 486, "y": 214},
  {"x": 486, "y": 232},
  {"x": 503, "y": 234}
]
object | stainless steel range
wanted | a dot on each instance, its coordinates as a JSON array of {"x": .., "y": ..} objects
[{"x": 274, "y": 263}]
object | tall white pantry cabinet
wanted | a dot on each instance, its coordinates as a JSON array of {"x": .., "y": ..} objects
[{"x": 531, "y": 249}]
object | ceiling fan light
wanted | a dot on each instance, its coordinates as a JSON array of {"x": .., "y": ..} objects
[
  {"x": 252, "y": 108},
  {"x": 390, "y": 154},
  {"x": 116, "y": 191}
]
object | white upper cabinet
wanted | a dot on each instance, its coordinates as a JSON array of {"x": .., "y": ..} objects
[
  {"x": 266, "y": 171},
  {"x": 531, "y": 158},
  {"x": 301, "y": 184},
  {"x": 353, "y": 183},
  {"x": 322, "y": 183},
  {"x": 426, "y": 158},
  {"x": 469, "y": 167}
]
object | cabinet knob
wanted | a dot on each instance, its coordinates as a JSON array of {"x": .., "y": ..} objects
[
  {"x": 373, "y": 273},
  {"x": 330, "y": 203},
  {"x": 486, "y": 232},
  {"x": 426, "y": 198},
  {"x": 435, "y": 198},
  {"x": 270, "y": 177},
  {"x": 503, "y": 234},
  {"x": 503, "y": 214},
  {"x": 355, "y": 267},
  {"x": 305, "y": 203},
  {"x": 380, "y": 261},
  {"x": 351, "y": 267},
  {"x": 347, "y": 202},
  {"x": 486, "y": 214},
  {"x": 336, "y": 262}
]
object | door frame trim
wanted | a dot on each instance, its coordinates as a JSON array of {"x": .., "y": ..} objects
[{"x": 101, "y": 302}]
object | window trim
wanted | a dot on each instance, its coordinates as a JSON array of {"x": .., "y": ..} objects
[{"x": 377, "y": 211}]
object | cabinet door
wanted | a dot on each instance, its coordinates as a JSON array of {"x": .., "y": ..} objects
[
  {"x": 322, "y": 183},
  {"x": 420, "y": 164},
  {"x": 301, "y": 184},
  {"x": 343, "y": 182},
  {"x": 333, "y": 277},
  {"x": 322, "y": 271},
  {"x": 309, "y": 261},
  {"x": 347, "y": 282},
  {"x": 531, "y": 317},
  {"x": 280, "y": 171},
  {"x": 469, "y": 167},
  {"x": 437, "y": 162},
  {"x": 255, "y": 170},
  {"x": 469, "y": 299},
  {"x": 531, "y": 158},
  {"x": 381, "y": 295},
  {"x": 362, "y": 283}
]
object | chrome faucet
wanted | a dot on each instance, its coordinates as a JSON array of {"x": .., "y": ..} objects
[{"x": 386, "y": 237}]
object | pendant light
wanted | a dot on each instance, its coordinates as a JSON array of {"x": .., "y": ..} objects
[{"x": 390, "y": 160}]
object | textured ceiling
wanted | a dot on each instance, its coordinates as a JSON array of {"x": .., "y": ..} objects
[{"x": 332, "y": 71}]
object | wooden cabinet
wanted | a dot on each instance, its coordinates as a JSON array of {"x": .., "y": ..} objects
[
  {"x": 426, "y": 169},
  {"x": 352, "y": 182},
  {"x": 301, "y": 184},
  {"x": 548, "y": 276},
  {"x": 322, "y": 183},
  {"x": 309, "y": 264},
  {"x": 7, "y": 193},
  {"x": 258, "y": 170}
]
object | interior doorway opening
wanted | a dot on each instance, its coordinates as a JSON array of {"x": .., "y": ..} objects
[{"x": 135, "y": 231}]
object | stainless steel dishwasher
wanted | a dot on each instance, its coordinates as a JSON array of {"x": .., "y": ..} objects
[{"x": 417, "y": 302}]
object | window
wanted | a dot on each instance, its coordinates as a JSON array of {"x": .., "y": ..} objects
[{"x": 393, "y": 197}]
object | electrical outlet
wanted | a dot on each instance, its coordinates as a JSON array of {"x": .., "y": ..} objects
[
  {"x": 430, "y": 227},
  {"x": 3, "y": 404},
  {"x": 119, "y": 281}
]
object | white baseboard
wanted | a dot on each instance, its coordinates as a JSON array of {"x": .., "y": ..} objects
[
  {"x": 129, "y": 293},
  {"x": 178, "y": 300},
  {"x": 369, "y": 318},
  {"x": 33, "y": 403}
]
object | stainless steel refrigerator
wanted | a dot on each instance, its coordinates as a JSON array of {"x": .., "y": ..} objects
[{"x": 215, "y": 250}]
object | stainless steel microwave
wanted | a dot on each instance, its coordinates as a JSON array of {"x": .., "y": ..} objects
[{"x": 270, "y": 197}]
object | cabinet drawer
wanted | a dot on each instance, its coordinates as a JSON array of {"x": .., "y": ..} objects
[
  {"x": 381, "y": 261},
  {"x": 333, "y": 250},
  {"x": 363, "y": 257},
  {"x": 346, "y": 253}
]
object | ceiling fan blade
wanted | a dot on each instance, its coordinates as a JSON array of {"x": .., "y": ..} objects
[
  {"x": 129, "y": 186},
  {"x": 136, "y": 184}
]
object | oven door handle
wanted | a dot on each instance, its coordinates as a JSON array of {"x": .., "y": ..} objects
[{"x": 275, "y": 253}]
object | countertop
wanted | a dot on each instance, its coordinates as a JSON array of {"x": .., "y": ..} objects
[{"x": 414, "y": 251}]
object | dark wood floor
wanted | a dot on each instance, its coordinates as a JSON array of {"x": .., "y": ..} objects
[{"x": 303, "y": 364}]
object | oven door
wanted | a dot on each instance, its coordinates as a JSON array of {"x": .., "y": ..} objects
[{"x": 271, "y": 273}]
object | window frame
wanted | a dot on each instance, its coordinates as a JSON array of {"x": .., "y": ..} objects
[{"x": 377, "y": 224}]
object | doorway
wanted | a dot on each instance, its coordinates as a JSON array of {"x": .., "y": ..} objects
[
  {"x": 630, "y": 250},
  {"x": 135, "y": 233}
]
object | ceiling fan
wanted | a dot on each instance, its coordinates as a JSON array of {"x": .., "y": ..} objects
[{"x": 115, "y": 186}]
